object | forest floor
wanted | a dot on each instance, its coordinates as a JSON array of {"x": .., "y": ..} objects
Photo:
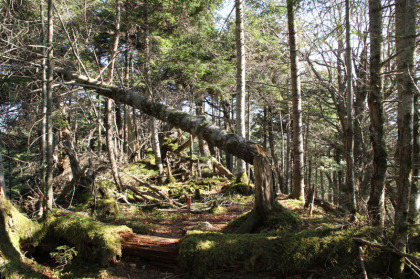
[
  {"x": 290, "y": 243},
  {"x": 176, "y": 224}
]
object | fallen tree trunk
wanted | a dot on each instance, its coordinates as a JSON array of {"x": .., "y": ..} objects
[
  {"x": 195, "y": 125},
  {"x": 150, "y": 248},
  {"x": 328, "y": 207}
]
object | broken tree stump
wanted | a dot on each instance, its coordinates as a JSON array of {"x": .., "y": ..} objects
[{"x": 158, "y": 250}]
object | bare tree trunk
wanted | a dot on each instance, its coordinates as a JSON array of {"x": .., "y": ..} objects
[
  {"x": 405, "y": 29},
  {"x": 240, "y": 85},
  {"x": 288, "y": 155},
  {"x": 48, "y": 193},
  {"x": 413, "y": 212},
  {"x": 43, "y": 139},
  {"x": 298, "y": 191},
  {"x": 273, "y": 151},
  {"x": 202, "y": 145},
  {"x": 108, "y": 105},
  {"x": 2, "y": 182},
  {"x": 377, "y": 117},
  {"x": 153, "y": 122},
  {"x": 360, "y": 151},
  {"x": 348, "y": 191}
]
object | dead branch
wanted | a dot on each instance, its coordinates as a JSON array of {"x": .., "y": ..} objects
[
  {"x": 154, "y": 189},
  {"x": 387, "y": 249},
  {"x": 221, "y": 169}
]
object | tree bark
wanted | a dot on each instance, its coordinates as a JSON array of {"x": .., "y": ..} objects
[
  {"x": 108, "y": 105},
  {"x": 240, "y": 84},
  {"x": 361, "y": 155},
  {"x": 150, "y": 248},
  {"x": 48, "y": 193},
  {"x": 413, "y": 212},
  {"x": 298, "y": 191},
  {"x": 405, "y": 28},
  {"x": 43, "y": 139},
  {"x": 2, "y": 182},
  {"x": 153, "y": 122},
  {"x": 348, "y": 191},
  {"x": 198, "y": 126},
  {"x": 264, "y": 195},
  {"x": 377, "y": 117},
  {"x": 273, "y": 150}
]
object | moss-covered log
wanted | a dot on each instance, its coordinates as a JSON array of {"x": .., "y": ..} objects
[
  {"x": 16, "y": 228},
  {"x": 93, "y": 240},
  {"x": 203, "y": 252}
]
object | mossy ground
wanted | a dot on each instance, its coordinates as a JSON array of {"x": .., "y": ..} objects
[
  {"x": 93, "y": 239},
  {"x": 204, "y": 252},
  {"x": 288, "y": 243}
]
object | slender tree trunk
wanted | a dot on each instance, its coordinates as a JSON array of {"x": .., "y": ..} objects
[
  {"x": 153, "y": 122},
  {"x": 298, "y": 191},
  {"x": 273, "y": 151},
  {"x": 321, "y": 176},
  {"x": 109, "y": 102},
  {"x": 2, "y": 182},
  {"x": 348, "y": 191},
  {"x": 240, "y": 85},
  {"x": 43, "y": 139},
  {"x": 377, "y": 117},
  {"x": 126, "y": 108},
  {"x": 282, "y": 171},
  {"x": 361, "y": 92},
  {"x": 202, "y": 145},
  {"x": 288, "y": 155},
  {"x": 413, "y": 212},
  {"x": 48, "y": 194},
  {"x": 405, "y": 28}
]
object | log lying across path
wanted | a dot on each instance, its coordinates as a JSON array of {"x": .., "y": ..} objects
[
  {"x": 150, "y": 248},
  {"x": 195, "y": 125}
]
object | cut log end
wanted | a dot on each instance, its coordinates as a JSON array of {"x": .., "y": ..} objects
[{"x": 145, "y": 248}]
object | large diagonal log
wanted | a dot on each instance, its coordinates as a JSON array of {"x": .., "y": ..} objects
[{"x": 195, "y": 125}]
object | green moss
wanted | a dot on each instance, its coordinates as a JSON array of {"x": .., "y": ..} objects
[
  {"x": 202, "y": 252},
  {"x": 293, "y": 204},
  {"x": 108, "y": 207},
  {"x": 145, "y": 167},
  {"x": 239, "y": 188},
  {"x": 93, "y": 240},
  {"x": 169, "y": 143},
  {"x": 149, "y": 160},
  {"x": 14, "y": 229},
  {"x": 18, "y": 226},
  {"x": 237, "y": 222},
  {"x": 280, "y": 220},
  {"x": 170, "y": 179},
  {"x": 242, "y": 178},
  {"x": 218, "y": 210}
]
